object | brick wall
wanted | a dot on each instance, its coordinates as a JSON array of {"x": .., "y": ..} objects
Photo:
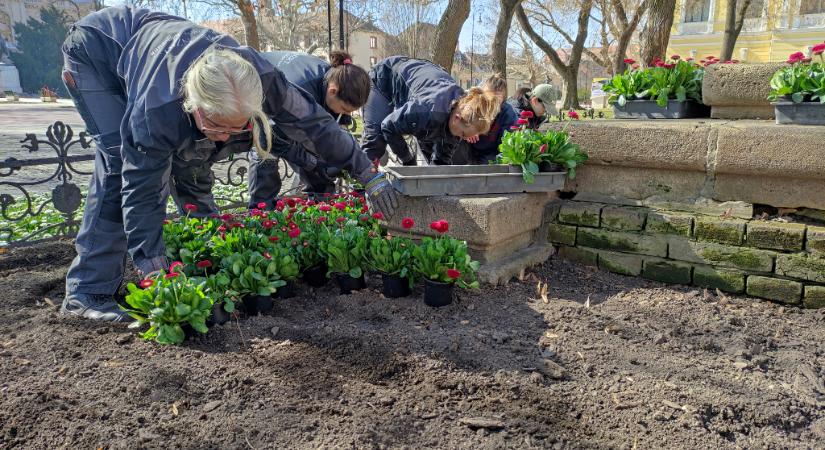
[{"x": 773, "y": 260}]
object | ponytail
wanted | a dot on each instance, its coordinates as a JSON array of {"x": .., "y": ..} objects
[
  {"x": 478, "y": 109},
  {"x": 496, "y": 83},
  {"x": 352, "y": 81}
]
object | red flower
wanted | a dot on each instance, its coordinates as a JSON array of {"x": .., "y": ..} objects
[
  {"x": 295, "y": 232},
  {"x": 629, "y": 61},
  {"x": 364, "y": 209},
  {"x": 190, "y": 207},
  {"x": 573, "y": 114},
  {"x": 214, "y": 215},
  {"x": 660, "y": 63},
  {"x": 320, "y": 219},
  {"x": 818, "y": 49},
  {"x": 526, "y": 114},
  {"x": 341, "y": 219},
  {"x": 204, "y": 264},
  {"x": 238, "y": 225},
  {"x": 688, "y": 59},
  {"x": 806, "y": 60},
  {"x": 171, "y": 275},
  {"x": 407, "y": 223},
  {"x": 175, "y": 265},
  {"x": 274, "y": 239},
  {"x": 711, "y": 57},
  {"x": 796, "y": 57},
  {"x": 267, "y": 255},
  {"x": 222, "y": 228},
  {"x": 522, "y": 121},
  {"x": 363, "y": 217},
  {"x": 166, "y": 221},
  {"x": 452, "y": 273},
  {"x": 279, "y": 205},
  {"x": 324, "y": 208},
  {"x": 514, "y": 127},
  {"x": 267, "y": 224},
  {"x": 340, "y": 206},
  {"x": 290, "y": 202},
  {"x": 311, "y": 203},
  {"x": 378, "y": 216},
  {"x": 223, "y": 236},
  {"x": 262, "y": 205},
  {"x": 227, "y": 217},
  {"x": 441, "y": 226},
  {"x": 147, "y": 283},
  {"x": 674, "y": 57}
]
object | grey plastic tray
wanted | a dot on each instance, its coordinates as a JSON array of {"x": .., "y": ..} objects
[{"x": 419, "y": 181}]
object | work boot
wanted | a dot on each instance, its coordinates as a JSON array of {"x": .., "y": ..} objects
[{"x": 94, "y": 306}]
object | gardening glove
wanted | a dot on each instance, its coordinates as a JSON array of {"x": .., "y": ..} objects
[{"x": 381, "y": 195}]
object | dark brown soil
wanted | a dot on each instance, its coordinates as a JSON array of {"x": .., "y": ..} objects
[{"x": 639, "y": 365}]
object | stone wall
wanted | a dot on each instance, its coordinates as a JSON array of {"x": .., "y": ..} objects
[{"x": 779, "y": 261}]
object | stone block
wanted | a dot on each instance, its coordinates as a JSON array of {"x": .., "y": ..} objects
[
  {"x": 551, "y": 211},
  {"x": 721, "y": 231},
  {"x": 503, "y": 270},
  {"x": 782, "y": 192},
  {"x": 742, "y": 112},
  {"x": 723, "y": 279},
  {"x": 785, "y": 291},
  {"x": 669, "y": 223},
  {"x": 801, "y": 266},
  {"x": 585, "y": 256},
  {"x": 743, "y": 258},
  {"x": 580, "y": 213},
  {"x": 494, "y": 226},
  {"x": 642, "y": 244},
  {"x": 775, "y": 235},
  {"x": 562, "y": 234},
  {"x": 623, "y": 218},
  {"x": 671, "y": 272},
  {"x": 816, "y": 241},
  {"x": 636, "y": 186},
  {"x": 814, "y": 297},
  {"x": 621, "y": 263},
  {"x": 738, "y": 84}
]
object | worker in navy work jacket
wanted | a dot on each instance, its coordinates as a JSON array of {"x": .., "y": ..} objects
[
  {"x": 152, "y": 87},
  {"x": 541, "y": 101},
  {"x": 418, "y": 98},
  {"x": 341, "y": 88},
  {"x": 484, "y": 149}
]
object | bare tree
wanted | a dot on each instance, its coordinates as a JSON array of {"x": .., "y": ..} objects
[
  {"x": 410, "y": 23},
  {"x": 543, "y": 13},
  {"x": 621, "y": 26},
  {"x": 505, "y": 20},
  {"x": 656, "y": 33},
  {"x": 447, "y": 31},
  {"x": 734, "y": 20}
]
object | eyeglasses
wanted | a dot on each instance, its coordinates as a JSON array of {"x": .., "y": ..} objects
[{"x": 227, "y": 131}]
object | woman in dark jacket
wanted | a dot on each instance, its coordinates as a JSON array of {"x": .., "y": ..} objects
[{"x": 485, "y": 149}]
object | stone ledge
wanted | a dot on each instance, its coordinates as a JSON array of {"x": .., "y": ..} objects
[
  {"x": 738, "y": 84},
  {"x": 502, "y": 271}
]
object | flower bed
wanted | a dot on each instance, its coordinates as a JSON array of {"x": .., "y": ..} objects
[
  {"x": 246, "y": 259},
  {"x": 668, "y": 90},
  {"x": 798, "y": 90}
]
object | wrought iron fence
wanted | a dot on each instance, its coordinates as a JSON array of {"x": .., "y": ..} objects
[{"x": 58, "y": 156}]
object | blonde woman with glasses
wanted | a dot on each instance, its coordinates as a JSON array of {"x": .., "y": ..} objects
[{"x": 153, "y": 88}]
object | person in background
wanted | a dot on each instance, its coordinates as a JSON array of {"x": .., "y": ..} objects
[
  {"x": 151, "y": 87},
  {"x": 416, "y": 97},
  {"x": 484, "y": 149},
  {"x": 341, "y": 88},
  {"x": 541, "y": 101}
]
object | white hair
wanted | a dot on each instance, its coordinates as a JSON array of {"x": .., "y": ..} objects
[{"x": 221, "y": 83}]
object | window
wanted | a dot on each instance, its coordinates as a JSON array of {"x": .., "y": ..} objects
[
  {"x": 373, "y": 60},
  {"x": 373, "y": 42},
  {"x": 697, "y": 11},
  {"x": 812, "y": 7}
]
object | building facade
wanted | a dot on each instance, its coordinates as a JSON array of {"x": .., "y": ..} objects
[
  {"x": 19, "y": 11},
  {"x": 773, "y": 29}
]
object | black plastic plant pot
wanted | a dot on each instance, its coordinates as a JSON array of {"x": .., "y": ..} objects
[
  {"x": 219, "y": 315},
  {"x": 648, "y": 109},
  {"x": 285, "y": 291},
  {"x": 395, "y": 286},
  {"x": 347, "y": 284},
  {"x": 257, "y": 304},
  {"x": 547, "y": 166},
  {"x": 804, "y": 113},
  {"x": 316, "y": 276},
  {"x": 438, "y": 294}
]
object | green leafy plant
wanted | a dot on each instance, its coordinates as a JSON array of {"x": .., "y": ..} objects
[
  {"x": 801, "y": 79},
  {"x": 521, "y": 148},
  {"x": 557, "y": 148},
  {"x": 630, "y": 85},
  {"x": 346, "y": 247},
  {"x": 166, "y": 303},
  {"x": 253, "y": 273},
  {"x": 678, "y": 80},
  {"x": 445, "y": 259},
  {"x": 392, "y": 255}
]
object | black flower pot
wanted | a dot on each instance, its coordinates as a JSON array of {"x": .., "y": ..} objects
[
  {"x": 219, "y": 315},
  {"x": 257, "y": 304},
  {"x": 347, "y": 284},
  {"x": 394, "y": 286},
  {"x": 438, "y": 294},
  {"x": 316, "y": 276},
  {"x": 285, "y": 291},
  {"x": 547, "y": 166}
]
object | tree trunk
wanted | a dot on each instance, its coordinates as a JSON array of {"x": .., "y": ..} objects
[
  {"x": 733, "y": 26},
  {"x": 621, "y": 53},
  {"x": 657, "y": 31},
  {"x": 445, "y": 40},
  {"x": 505, "y": 19},
  {"x": 571, "y": 88},
  {"x": 250, "y": 25}
]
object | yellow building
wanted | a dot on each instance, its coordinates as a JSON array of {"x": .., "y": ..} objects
[{"x": 773, "y": 29}]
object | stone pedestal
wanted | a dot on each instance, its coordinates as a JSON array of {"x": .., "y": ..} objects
[
  {"x": 739, "y": 91},
  {"x": 9, "y": 79}
]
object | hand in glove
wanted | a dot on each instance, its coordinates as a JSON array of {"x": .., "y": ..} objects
[{"x": 381, "y": 195}]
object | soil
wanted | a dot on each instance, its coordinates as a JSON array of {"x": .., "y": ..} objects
[{"x": 605, "y": 362}]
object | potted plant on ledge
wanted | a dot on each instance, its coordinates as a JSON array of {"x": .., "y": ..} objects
[{"x": 798, "y": 89}]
